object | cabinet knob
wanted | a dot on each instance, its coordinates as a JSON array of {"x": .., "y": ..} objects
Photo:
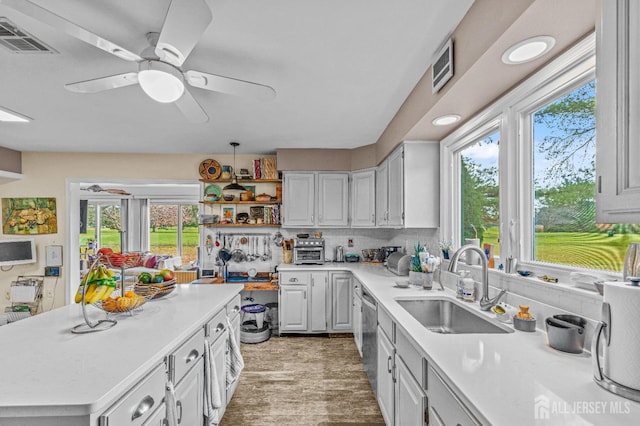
[{"x": 192, "y": 356}]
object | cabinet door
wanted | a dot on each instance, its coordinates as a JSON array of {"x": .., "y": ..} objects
[
  {"x": 411, "y": 401},
  {"x": 363, "y": 199},
  {"x": 357, "y": 323},
  {"x": 189, "y": 396},
  {"x": 617, "y": 126},
  {"x": 219, "y": 353},
  {"x": 333, "y": 199},
  {"x": 382, "y": 187},
  {"x": 444, "y": 405},
  {"x": 298, "y": 199},
  {"x": 386, "y": 377},
  {"x": 158, "y": 418},
  {"x": 341, "y": 301},
  {"x": 395, "y": 190},
  {"x": 318, "y": 301},
  {"x": 293, "y": 308}
]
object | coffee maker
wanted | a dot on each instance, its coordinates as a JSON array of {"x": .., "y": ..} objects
[{"x": 387, "y": 250}]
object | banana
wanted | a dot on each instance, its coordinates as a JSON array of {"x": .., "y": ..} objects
[
  {"x": 78, "y": 298},
  {"x": 91, "y": 289}
]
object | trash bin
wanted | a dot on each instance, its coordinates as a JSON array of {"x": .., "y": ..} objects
[{"x": 272, "y": 316}]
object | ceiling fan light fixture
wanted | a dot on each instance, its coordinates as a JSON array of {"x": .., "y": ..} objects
[{"x": 161, "y": 82}]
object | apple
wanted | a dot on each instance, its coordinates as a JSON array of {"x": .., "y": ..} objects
[{"x": 167, "y": 274}]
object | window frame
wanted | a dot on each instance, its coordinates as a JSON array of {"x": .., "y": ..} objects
[
  {"x": 509, "y": 115},
  {"x": 179, "y": 204}
]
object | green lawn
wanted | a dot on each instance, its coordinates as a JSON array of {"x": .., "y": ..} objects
[{"x": 587, "y": 250}]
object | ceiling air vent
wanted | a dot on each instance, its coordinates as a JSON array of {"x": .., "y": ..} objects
[
  {"x": 18, "y": 41},
  {"x": 442, "y": 67}
]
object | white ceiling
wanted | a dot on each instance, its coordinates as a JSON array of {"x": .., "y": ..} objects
[{"x": 341, "y": 70}]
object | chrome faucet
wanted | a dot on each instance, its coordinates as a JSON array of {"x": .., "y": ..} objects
[{"x": 485, "y": 302}]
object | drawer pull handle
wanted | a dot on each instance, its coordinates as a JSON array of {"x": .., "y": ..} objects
[
  {"x": 389, "y": 364},
  {"x": 179, "y": 405},
  {"x": 236, "y": 309},
  {"x": 293, "y": 280},
  {"x": 144, "y": 406},
  {"x": 220, "y": 327},
  {"x": 193, "y": 355}
]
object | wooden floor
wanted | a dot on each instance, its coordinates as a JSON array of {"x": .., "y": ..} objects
[{"x": 302, "y": 380}]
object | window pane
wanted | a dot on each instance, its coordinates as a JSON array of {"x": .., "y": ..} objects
[
  {"x": 479, "y": 192},
  {"x": 190, "y": 233},
  {"x": 110, "y": 225},
  {"x": 566, "y": 231},
  {"x": 163, "y": 236}
]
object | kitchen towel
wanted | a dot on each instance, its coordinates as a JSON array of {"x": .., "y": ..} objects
[
  {"x": 235, "y": 362},
  {"x": 621, "y": 360},
  {"x": 212, "y": 397},
  {"x": 170, "y": 402}
]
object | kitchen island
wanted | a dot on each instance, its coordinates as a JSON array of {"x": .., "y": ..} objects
[
  {"x": 53, "y": 377},
  {"x": 499, "y": 379}
]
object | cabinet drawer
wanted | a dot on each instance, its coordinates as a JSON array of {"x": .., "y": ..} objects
[
  {"x": 233, "y": 307},
  {"x": 445, "y": 406},
  {"x": 217, "y": 326},
  {"x": 186, "y": 356},
  {"x": 411, "y": 358},
  {"x": 294, "y": 277},
  {"x": 386, "y": 323},
  {"x": 138, "y": 404}
]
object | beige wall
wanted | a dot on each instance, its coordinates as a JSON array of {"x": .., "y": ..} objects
[
  {"x": 294, "y": 159},
  {"x": 45, "y": 175}
]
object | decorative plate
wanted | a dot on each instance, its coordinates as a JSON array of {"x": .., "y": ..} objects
[
  {"x": 210, "y": 169},
  {"x": 212, "y": 193}
]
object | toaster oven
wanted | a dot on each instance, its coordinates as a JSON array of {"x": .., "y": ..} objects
[{"x": 308, "y": 251}]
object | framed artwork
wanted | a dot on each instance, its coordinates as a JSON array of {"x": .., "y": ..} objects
[
  {"x": 29, "y": 216},
  {"x": 228, "y": 214}
]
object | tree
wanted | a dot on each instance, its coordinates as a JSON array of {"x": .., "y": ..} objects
[
  {"x": 163, "y": 215},
  {"x": 110, "y": 217},
  {"x": 480, "y": 202}
]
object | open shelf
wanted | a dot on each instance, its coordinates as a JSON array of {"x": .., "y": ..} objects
[
  {"x": 242, "y": 225},
  {"x": 238, "y": 202},
  {"x": 241, "y": 181}
]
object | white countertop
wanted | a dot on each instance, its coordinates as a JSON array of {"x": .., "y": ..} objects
[
  {"x": 502, "y": 378},
  {"x": 46, "y": 369}
]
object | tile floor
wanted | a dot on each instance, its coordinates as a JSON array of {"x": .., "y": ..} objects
[{"x": 303, "y": 380}]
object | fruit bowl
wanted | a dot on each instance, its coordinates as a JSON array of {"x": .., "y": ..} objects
[
  {"x": 127, "y": 303},
  {"x": 155, "y": 290}
]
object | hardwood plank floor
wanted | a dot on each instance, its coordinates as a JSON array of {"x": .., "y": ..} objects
[{"x": 303, "y": 380}]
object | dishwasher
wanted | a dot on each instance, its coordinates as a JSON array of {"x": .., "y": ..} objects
[{"x": 369, "y": 338}]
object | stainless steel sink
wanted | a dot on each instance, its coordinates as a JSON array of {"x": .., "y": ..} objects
[{"x": 448, "y": 317}]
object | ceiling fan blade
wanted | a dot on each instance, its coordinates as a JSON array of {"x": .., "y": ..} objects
[
  {"x": 183, "y": 26},
  {"x": 43, "y": 15},
  {"x": 229, "y": 85},
  {"x": 190, "y": 108},
  {"x": 103, "y": 83}
]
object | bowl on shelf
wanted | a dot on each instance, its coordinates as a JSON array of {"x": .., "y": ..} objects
[{"x": 228, "y": 197}]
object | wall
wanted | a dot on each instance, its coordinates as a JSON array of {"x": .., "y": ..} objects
[
  {"x": 46, "y": 174},
  {"x": 10, "y": 160}
]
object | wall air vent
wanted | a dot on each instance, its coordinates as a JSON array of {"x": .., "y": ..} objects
[
  {"x": 442, "y": 67},
  {"x": 19, "y": 41}
]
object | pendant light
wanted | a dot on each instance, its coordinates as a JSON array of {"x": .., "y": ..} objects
[{"x": 234, "y": 186}]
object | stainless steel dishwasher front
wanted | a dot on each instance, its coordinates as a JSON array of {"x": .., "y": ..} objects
[{"x": 369, "y": 339}]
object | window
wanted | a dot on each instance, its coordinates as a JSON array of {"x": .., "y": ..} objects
[
  {"x": 103, "y": 227},
  {"x": 538, "y": 142},
  {"x": 480, "y": 213},
  {"x": 563, "y": 152},
  {"x": 173, "y": 230}
]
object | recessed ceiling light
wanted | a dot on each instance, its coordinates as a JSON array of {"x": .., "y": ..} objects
[
  {"x": 12, "y": 116},
  {"x": 528, "y": 50},
  {"x": 445, "y": 120}
]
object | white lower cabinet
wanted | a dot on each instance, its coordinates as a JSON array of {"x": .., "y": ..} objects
[
  {"x": 445, "y": 408},
  {"x": 219, "y": 353},
  {"x": 158, "y": 418},
  {"x": 386, "y": 377},
  {"x": 189, "y": 399},
  {"x": 293, "y": 309},
  {"x": 318, "y": 302},
  {"x": 357, "y": 315},
  {"x": 315, "y": 302},
  {"x": 411, "y": 399},
  {"x": 341, "y": 301}
]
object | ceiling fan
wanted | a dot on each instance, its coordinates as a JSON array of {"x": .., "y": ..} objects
[{"x": 159, "y": 66}]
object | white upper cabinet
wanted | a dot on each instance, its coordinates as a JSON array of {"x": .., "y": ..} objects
[
  {"x": 618, "y": 109},
  {"x": 316, "y": 199},
  {"x": 408, "y": 187},
  {"x": 363, "y": 199},
  {"x": 298, "y": 199},
  {"x": 333, "y": 199}
]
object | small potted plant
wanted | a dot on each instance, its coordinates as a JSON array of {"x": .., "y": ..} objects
[
  {"x": 446, "y": 247},
  {"x": 416, "y": 273}
]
